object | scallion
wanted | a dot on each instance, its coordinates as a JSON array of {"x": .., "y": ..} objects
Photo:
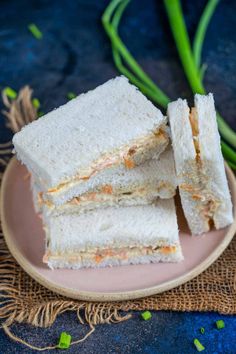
[
  {"x": 64, "y": 341},
  {"x": 117, "y": 44},
  {"x": 36, "y": 103},
  {"x": 9, "y": 92},
  {"x": 198, "y": 345},
  {"x": 220, "y": 324},
  {"x": 40, "y": 114},
  {"x": 146, "y": 315},
  {"x": 35, "y": 31},
  {"x": 201, "y": 31},
  {"x": 128, "y": 66},
  {"x": 71, "y": 95},
  {"x": 202, "y": 330},
  {"x": 180, "y": 34},
  {"x": 227, "y": 151}
]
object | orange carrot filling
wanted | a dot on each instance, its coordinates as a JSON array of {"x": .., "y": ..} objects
[
  {"x": 116, "y": 159},
  {"x": 107, "y": 189}
]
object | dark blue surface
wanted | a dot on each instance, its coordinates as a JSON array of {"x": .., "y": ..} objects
[
  {"x": 74, "y": 55},
  {"x": 165, "y": 333}
]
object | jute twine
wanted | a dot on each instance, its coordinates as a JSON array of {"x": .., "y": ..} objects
[{"x": 23, "y": 300}]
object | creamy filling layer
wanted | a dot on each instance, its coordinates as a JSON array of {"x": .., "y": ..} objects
[
  {"x": 99, "y": 255},
  {"x": 207, "y": 202},
  {"x": 107, "y": 193},
  {"x": 125, "y": 155},
  {"x": 193, "y": 118}
]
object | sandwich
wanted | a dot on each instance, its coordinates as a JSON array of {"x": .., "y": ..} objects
[
  {"x": 114, "y": 236},
  {"x": 113, "y": 125},
  {"x": 118, "y": 187},
  {"x": 199, "y": 163}
]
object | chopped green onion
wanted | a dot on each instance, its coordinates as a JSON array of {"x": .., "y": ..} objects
[
  {"x": 220, "y": 324},
  {"x": 201, "y": 30},
  {"x": 64, "y": 341},
  {"x": 36, "y": 103},
  {"x": 198, "y": 345},
  {"x": 35, "y": 31},
  {"x": 146, "y": 315},
  {"x": 9, "y": 92},
  {"x": 202, "y": 330},
  {"x": 40, "y": 114},
  {"x": 71, "y": 95}
]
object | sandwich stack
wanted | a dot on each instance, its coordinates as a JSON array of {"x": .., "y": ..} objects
[
  {"x": 103, "y": 178},
  {"x": 98, "y": 181}
]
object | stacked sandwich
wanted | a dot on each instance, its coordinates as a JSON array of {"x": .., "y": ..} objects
[{"x": 103, "y": 178}]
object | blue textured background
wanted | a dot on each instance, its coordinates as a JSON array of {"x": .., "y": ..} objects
[{"x": 74, "y": 55}]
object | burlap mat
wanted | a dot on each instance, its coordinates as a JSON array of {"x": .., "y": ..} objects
[{"x": 23, "y": 300}]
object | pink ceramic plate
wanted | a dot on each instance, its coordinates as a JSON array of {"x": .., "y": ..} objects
[{"x": 25, "y": 238}]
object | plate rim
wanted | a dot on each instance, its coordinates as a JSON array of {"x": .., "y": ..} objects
[{"x": 114, "y": 296}]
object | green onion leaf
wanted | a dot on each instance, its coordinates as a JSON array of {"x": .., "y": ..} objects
[
  {"x": 231, "y": 164},
  {"x": 202, "y": 71},
  {"x": 226, "y": 132},
  {"x": 201, "y": 30},
  {"x": 229, "y": 153},
  {"x": 40, "y": 114},
  {"x": 36, "y": 103},
  {"x": 118, "y": 45},
  {"x": 9, "y": 92},
  {"x": 198, "y": 345},
  {"x": 202, "y": 330},
  {"x": 146, "y": 315},
  {"x": 220, "y": 324},
  {"x": 71, "y": 95},
  {"x": 180, "y": 34},
  {"x": 64, "y": 341},
  {"x": 35, "y": 31},
  {"x": 128, "y": 66},
  {"x": 118, "y": 60}
]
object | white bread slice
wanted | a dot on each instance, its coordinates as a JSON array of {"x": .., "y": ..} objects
[
  {"x": 202, "y": 181},
  {"x": 152, "y": 172},
  {"x": 96, "y": 130},
  {"x": 114, "y": 236},
  {"x": 212, "y": 160},
  {"x": 139, "y": 186}
]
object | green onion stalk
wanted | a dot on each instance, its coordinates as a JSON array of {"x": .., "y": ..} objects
[
  {"x": 190, "y": 65},
  {"x": 191, "y": 59},
  {"x": 120, "y": 52}
]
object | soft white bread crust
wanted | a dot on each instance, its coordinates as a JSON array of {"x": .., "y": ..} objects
[
  {"x": 181, "y": 133},
  {"x": 114, "y": 227},
  {"x": 212, "y": 160},
  {"x": 202, "y": 181},
  {"x": 157, "y": 174},
  {"x": 185, "y": 163},
  {"x": 71, "y": 138}
]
